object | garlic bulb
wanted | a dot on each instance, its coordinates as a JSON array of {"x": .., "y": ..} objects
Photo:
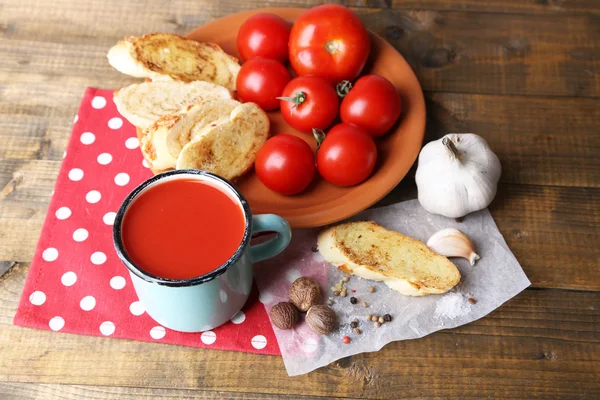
[
  {"x": 457, "y": 175},
  {"x": 451, "y": 242}
]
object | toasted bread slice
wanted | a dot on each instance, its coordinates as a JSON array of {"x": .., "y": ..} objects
[
  {"x": 230, "y": 148},
  {"x": 198, "y": 117},
  {"x": 153, "y": 143},
  {"x": 164, "y": 56},
  {"x": 144, "y": 103},
  {"x": 370, "y": 251}
]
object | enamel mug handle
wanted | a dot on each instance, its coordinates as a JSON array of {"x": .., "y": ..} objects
[{"x": 274, "y": 246}]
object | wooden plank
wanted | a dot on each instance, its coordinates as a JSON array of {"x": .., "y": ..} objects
[
  {"x": 460, "y": 51},
  {"x": 552, "y": 231},
  {"x": 541, "y": 343},
  {"x": 560, "y": 149},
  {"x": 35, "y": 391}
]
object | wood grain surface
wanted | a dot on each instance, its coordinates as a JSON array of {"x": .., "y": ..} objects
[{"x": 524, "y": 74}]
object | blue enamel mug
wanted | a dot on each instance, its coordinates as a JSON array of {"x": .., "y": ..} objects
[{"x": 204, "y": 302}]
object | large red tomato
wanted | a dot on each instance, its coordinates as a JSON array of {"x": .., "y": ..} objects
[
  {"x": 329, "y": 41},
  {"x": 264, "y": 35},
  {"x": 347, "y": 156},
  {"x": 261, "y": 81},
  {"x": 309, "y": 102},
  {"x": 285, "y": 164},
  {"x": 373, "y": 104}
]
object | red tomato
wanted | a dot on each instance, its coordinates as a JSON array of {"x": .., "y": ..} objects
[
  {"x": 261, "y": 81},
  {"x": 285, "y": 164},
  {"x": 373, "y": 103},
  {"x": 347, "y": 156},
  {"x": 329, "y": 41},
  {"x": 264, "y": 35},
  {"x": 309, "y": 102}
]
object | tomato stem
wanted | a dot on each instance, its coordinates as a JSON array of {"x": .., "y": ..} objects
[
  {"x": 343, "y": 88},
  {"x": 319, "y": 136},
  {"x": 299, "y": 98}
]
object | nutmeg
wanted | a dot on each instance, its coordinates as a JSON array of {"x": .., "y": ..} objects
[
  {"x": 321, "y": 319},
  {"x": 305, "y": 293},
  {"x": 284, "y": 315}
]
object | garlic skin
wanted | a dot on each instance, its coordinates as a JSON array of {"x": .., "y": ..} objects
[
  {"x": 451, "y": 242},
  {"x": 457, "y": 175}
]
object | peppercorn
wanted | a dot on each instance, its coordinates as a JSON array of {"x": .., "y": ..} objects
[
  {"x": 365, "y": 304},
  {"x": 358, "y": 331},
  {"x": 371, "y": 289},
  {"x": 315, "y": 248},
  {"x": 329, "y": 302},
  {"x": 374, "y": 318},
  {"x": 346, "y": 339},
  {"x": 336, "y": 293},
  {"x": 387, "y": 317},
  {"x": 381, "y": 320},
  {"x": 377, "y": 324},
  {"x": 353, "y": 324},
  {"x": 345, "y": 279},
  {"x": 343, "y": 293},
  {"x": 368, "y": 317},
  {"x": 353, "y": 300}
]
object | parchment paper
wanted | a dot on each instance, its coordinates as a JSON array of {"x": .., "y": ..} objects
[{"x": 494, "y": 279}]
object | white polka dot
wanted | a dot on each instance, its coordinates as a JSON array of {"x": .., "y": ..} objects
[
  {"x": 132, "y": 143},
  {"x": 98, "y": 102},
  {"x": 208, "y": 337},
  {"x": 309, "y": 345},
  {"x": 93, "y": 196},
  {"x": 115, "y": 123},
  {"x": 292, "y": 274},
  {"x": 104, "y": 159},
  {"x": 80, "y": 235},
  {"x": 63, "y": 213},
  {"x": 223, "y": 296},
  {"x": 98, "y": 258},
  {"x": 158, "y": 332},
  {"x": 75, "y": 174},
  {"x": 259, "y": 342},
  {"x": 76, "y": 118},
  {"x": 87, "y": 138},
  {"x": 238, "y": 318},
  {"x": 265, "y": 297},
  {"x": 107, "y": 328},
  {"x": 122, "y": 179},
  {"x": 50, "y": 254},
  {"x": 117, "y": 282},
  {"x": 87, "y": 303},
  {"x": 109, "y": 218},
  {"x": 69, "y": 278},
  {"x": 64, "y": 154},
  {"x": 37, "y": 298},
  {"x": 56, "y": 323},
  {"x": 145, "y": 163},
  {"x": 137, "y": 308}
]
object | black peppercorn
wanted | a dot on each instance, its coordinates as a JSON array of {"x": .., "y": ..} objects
[
  {"x": 315, "y": 248},
  {"x": 353, "y": 324},
  {"x": 387, "y": 317},
  {"x": 353, "y": 300}
]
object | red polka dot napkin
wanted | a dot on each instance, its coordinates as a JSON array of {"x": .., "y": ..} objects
[{"x": 76, "y": 283}]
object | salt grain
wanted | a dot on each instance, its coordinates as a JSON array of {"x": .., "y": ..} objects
[{"x": 452, "y": 305}]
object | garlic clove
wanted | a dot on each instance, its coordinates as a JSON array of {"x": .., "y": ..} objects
[{"x": 451, "y": 242}]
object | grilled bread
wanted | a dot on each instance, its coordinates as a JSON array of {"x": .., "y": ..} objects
[
  {"x": 153, "y": 143},
  {"x": 228, "y": 149},
  {"x": 370, "y": 251},
  {"x": 164, "y": 56},
  {"x": 144, "y": 103},
  {"x": 198, "y": 117}
]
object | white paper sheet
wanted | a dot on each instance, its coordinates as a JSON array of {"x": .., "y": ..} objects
[{"x": 494, "y": 279}]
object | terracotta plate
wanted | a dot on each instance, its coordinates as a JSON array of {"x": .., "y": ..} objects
[{"x": 323, "y": 203}]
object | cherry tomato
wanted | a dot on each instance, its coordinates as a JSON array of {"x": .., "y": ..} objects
[
  {"x": 347, "y": 155},
  {"x": 264, "y": 35},
  {"x": 285, "y": 164},
  {"x": 309, "y": 102},
  {"x": 261, "y": 81},
  {"x": 329, "y": 41},
  {"x": 372, "y": 103}
]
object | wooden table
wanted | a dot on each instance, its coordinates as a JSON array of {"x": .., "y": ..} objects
[{"x": 525, "y": 74}]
